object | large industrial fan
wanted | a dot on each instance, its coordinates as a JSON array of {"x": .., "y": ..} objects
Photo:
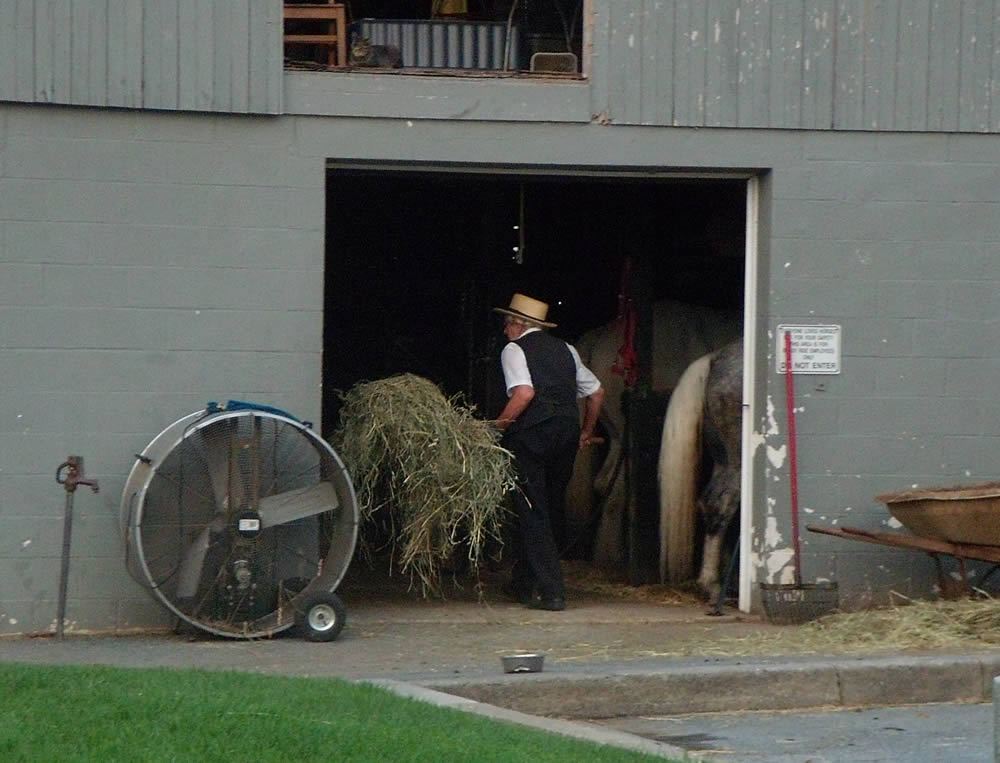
[{"x": 242, "y": 522}]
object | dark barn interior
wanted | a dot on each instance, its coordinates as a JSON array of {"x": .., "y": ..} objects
[{"x": 416, "y": 260}]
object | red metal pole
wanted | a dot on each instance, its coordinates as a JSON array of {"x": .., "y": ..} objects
[{"x": 793, "y": 471}]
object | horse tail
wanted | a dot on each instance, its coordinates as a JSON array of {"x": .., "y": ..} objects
[{"x": 680, "y": 456}]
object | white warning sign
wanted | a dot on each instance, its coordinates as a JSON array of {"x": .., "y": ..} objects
[{"x": 815, "y": 349}]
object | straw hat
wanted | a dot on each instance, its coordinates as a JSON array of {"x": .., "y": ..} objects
[{"x": 527, "y": 308}]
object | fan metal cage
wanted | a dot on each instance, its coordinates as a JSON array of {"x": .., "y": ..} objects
[{"x": 233, "y": 518}]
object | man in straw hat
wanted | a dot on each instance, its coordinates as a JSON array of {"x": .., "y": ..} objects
[{"x": 544, "y": 378}]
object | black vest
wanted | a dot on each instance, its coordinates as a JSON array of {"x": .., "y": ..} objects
[{"x": 553, "y": 375}]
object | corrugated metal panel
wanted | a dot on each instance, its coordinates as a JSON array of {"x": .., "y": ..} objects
[
  {"x": 626, "y": 77},
  {"x": 446, "y": 44},
  {"x": 754, "y": 42},
  {"x": 921, "y": 65},
  {"x": 210, "y": 55},
  {"x": 943, "y": 68},
  {"x": 976, "y": 58},
  {"x": 818, "y": 64},
  {"x": 786, "y": 62}
]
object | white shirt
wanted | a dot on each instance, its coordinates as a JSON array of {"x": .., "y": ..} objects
[{"x": 515, "y": 369}]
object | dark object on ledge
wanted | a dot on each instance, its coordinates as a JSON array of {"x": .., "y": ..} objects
[{"x": 365, "y": 53}]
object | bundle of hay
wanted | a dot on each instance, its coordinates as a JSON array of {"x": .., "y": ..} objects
[{"x": 426, "y": 471}]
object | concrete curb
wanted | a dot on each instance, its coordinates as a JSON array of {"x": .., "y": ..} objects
[
  {"x": 736, "y": 686},
  {"x": 583, "y": 731}
]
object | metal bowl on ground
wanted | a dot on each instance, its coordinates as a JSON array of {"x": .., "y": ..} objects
[
  {"x": 522, "y": 663},
  {"x": 959, "y": 514}
]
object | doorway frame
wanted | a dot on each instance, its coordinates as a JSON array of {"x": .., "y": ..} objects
[{"x": 752, "y": 227}]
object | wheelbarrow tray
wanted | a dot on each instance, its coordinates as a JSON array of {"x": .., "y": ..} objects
[{"x": 968, "y": 514}]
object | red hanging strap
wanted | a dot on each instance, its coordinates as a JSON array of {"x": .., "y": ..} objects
[{"x": 627, "y": 363}]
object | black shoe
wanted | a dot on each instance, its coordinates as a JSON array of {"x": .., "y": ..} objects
[
  {"x": 514, "y": 593},
  {"x": 556, "y": 604}
]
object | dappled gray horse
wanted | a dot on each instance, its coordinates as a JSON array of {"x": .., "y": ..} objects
[{"x": 702, "y": 435}]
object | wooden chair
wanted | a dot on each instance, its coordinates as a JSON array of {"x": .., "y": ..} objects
[{"x": 330, "y": 21}]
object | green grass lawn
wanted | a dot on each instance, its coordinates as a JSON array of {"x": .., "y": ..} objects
[{"x": 70, "y": 713}]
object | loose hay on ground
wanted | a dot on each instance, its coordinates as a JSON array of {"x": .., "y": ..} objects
[
  {"x": 906, "y": 625},
  {"x": 582, "y": 577},
  {"x": 911, "y": 626},
  {"x": 426, "y": 470}
]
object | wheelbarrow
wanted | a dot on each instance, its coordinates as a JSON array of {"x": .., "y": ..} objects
[{"x": 962, "y": 522}]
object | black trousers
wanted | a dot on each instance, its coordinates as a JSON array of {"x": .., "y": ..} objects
[{"x": 543, "y": 461}]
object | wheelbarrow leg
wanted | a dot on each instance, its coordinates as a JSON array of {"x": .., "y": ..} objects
[{"x": 951, "y": 588}]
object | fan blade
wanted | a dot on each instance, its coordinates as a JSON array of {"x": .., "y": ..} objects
[
  {"x": 297, "y": 504},
  {"x": 194, "y": 559}
]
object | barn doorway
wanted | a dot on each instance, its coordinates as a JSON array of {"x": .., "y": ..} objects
[{"x": 418, "y": 256}]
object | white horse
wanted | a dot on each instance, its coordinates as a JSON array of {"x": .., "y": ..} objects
[{"x": 681, "y": 333}]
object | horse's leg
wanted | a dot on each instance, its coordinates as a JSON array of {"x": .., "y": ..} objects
[
  {"x": 580, "y": 505},
  {"x": 720, "y": 500},
  {"x": 711, "y": 560},
  {"x": 609, "y": 541},
  {"x": 607, "y": 474},
  {"x": 718, "y": 506}
]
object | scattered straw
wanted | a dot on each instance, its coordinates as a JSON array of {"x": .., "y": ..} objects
[
  {"x": 908, "y": 625},
  {"x": 905, "y": 625},
  {"x": 584, "y": 578},
  {"x": 426, "y": 471}
]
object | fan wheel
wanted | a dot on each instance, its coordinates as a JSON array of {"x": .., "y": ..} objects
[
  {"x": 235, "y": 518},
  {"x": 321, "y": 616}
]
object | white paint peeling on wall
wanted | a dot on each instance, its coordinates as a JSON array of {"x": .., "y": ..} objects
[
  {"x": 768, "y": 556},
  {"x": 776, "y": 456},
  {"x": 779, "y": 568},
  {"x": 772, "y": 420}
]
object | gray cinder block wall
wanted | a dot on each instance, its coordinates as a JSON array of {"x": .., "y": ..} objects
[{"x": 150, "y": 262}]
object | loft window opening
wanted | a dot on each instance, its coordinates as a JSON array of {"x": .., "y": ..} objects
[{"x": 485, "y": 37}]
